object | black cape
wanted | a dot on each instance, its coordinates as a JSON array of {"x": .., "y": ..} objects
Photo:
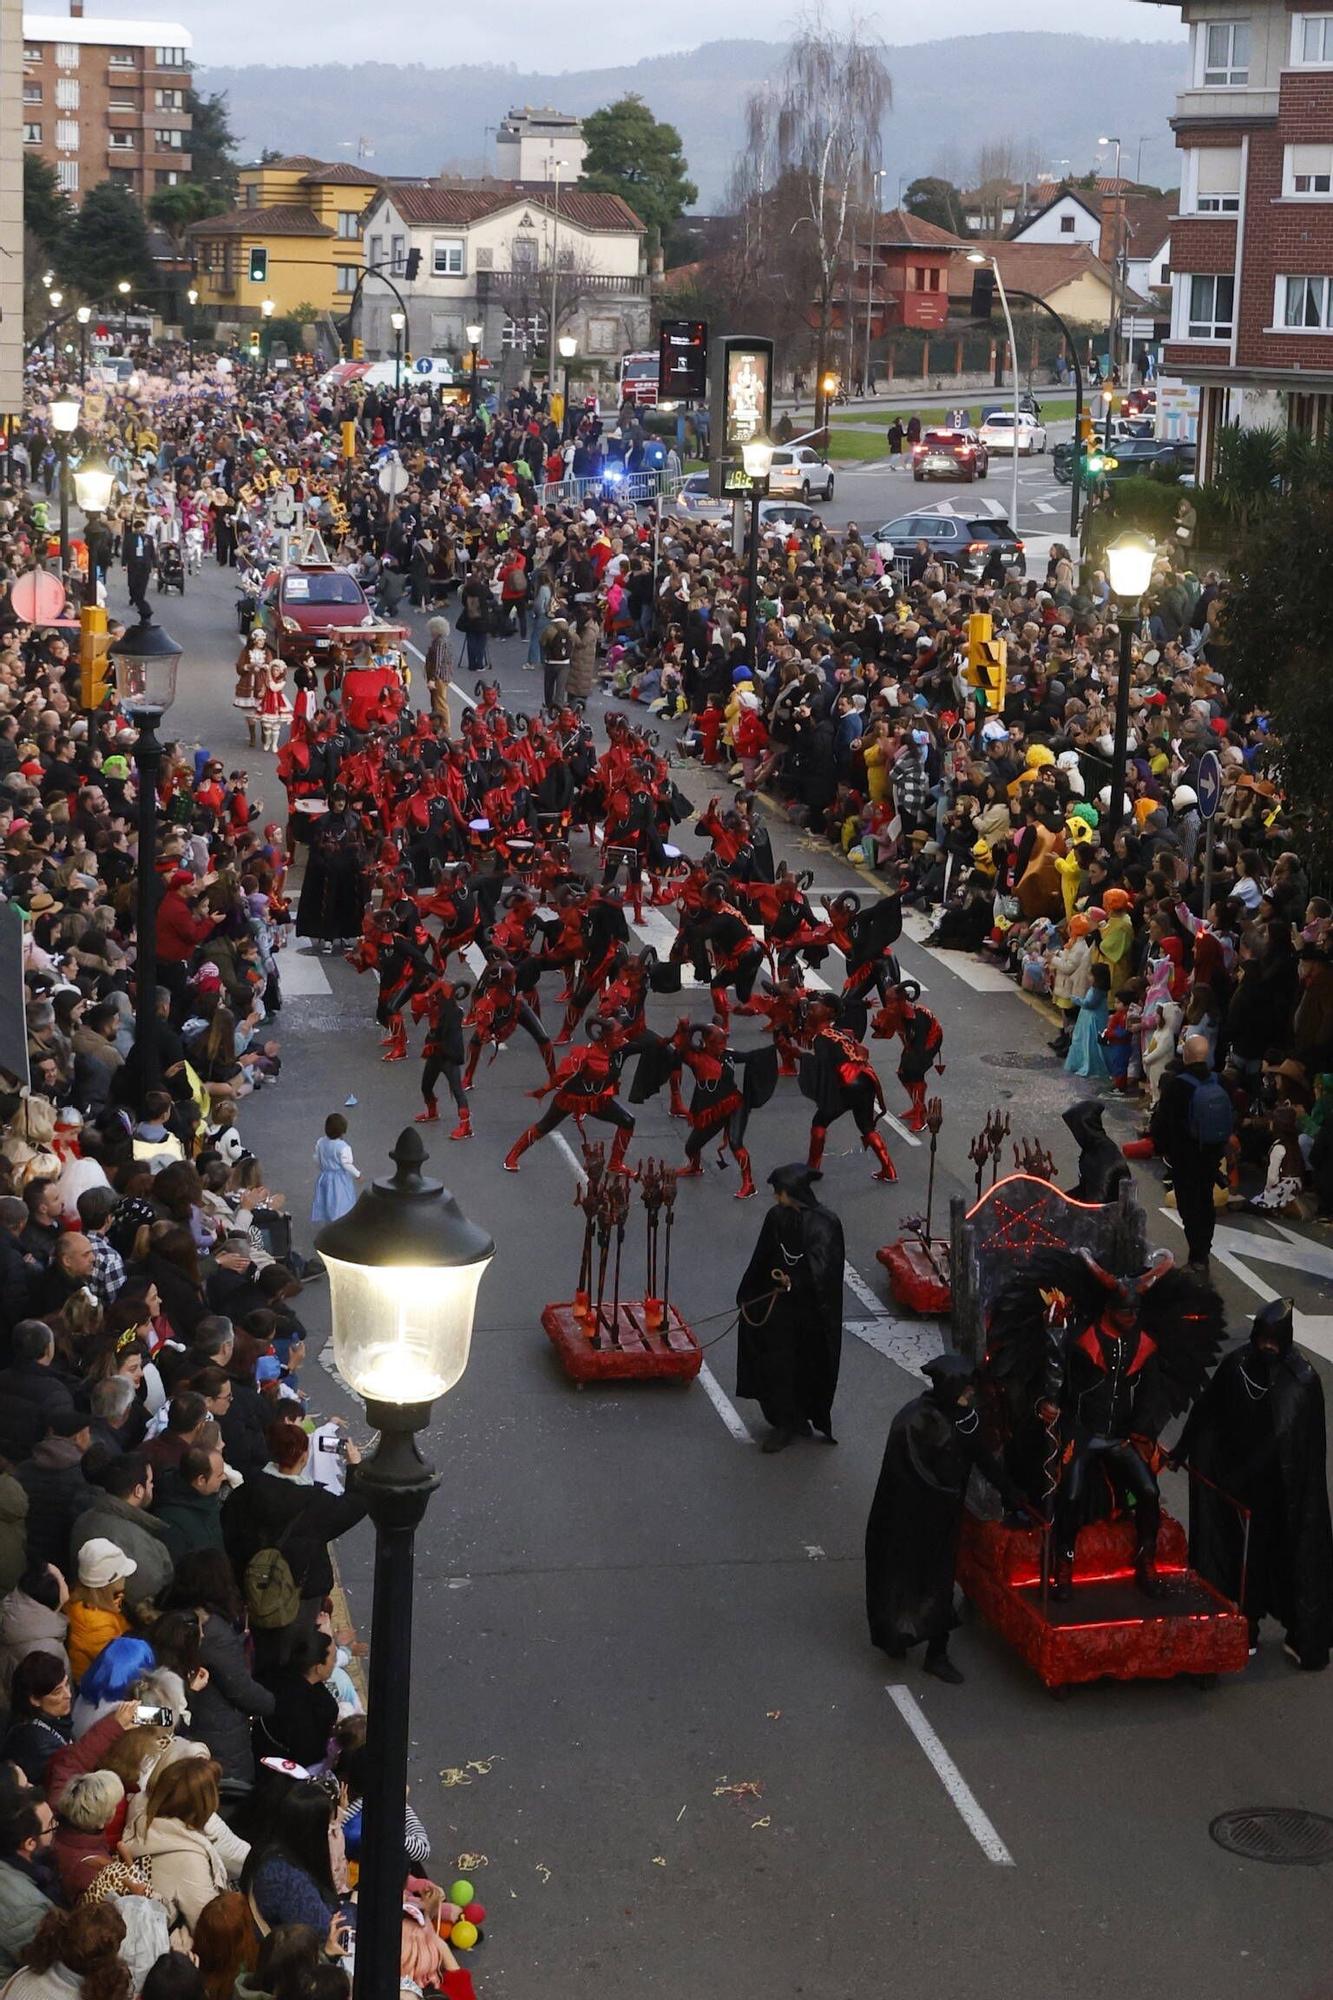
[
  {"x": 788, "y": 1351},
  {"x": 333, "y": 899},
  {"x": 1268, "y": 1453}
]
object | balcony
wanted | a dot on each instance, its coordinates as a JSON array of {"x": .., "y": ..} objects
[{"x": 587, "y": 284}]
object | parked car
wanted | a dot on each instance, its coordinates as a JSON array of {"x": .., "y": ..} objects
[
  {"x": 308, "y": 606},
  {"x": 694, "y": 502},
  {"x": 774, "y": 514},
  {"x": 1138, "y": 455},
  {"x": 950, "y": 455},
  {"x": 997, "y": 433},
  {"x": 797, "y": 469},
  {"x": 964, "y": 541}
]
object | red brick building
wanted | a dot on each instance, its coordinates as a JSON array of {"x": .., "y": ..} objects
[
  {"x": 906, "y": 269},
  {"x": 106, "y": 100},
  {"x": 1252, "y": 247}
]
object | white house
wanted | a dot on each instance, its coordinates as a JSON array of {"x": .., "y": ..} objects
[
  {"x": 1067, "y": 218},
  {"x": 538, "y": 145},
  {"x": 504, "y": 254}
]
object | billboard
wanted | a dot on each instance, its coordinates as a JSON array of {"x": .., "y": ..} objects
[
  {"x": 740, "y": 400},
  {"x": 682, "y": 360}
]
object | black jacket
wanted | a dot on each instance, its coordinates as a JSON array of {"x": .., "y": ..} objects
[
  {"x": 57, "y": 1494},
  {"x": 220, "y": 1712},
  {"x": 258, "y": 1512}
]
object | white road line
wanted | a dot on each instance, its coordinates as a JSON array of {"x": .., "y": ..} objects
[
  {"x": 856, "y": 1283},
  {"x": 1313, "y": 1330},
  {"x": 454, "y": 688},
  {"x": 952, "y": 1779},
  {"x": 301, "y": 975},
  {"x": 1043, "y": 506}
]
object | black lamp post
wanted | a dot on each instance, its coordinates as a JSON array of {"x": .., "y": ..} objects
[
  {"x": 474, "y": 334},
  {"x": 1129, "y": 562},
  {"x": 397, "y": 320},
  {"x": 569, "y": 347},
  {"x": 125, "y": 288},
  {"x": 757, "y": 457},
  {"x": 191, "y": 300},
  {"x": 145, "y": 660},
  {"x": 64, "y": 421},
  {"x": 404, "y": 1266},
  {"x": 83, "y": 315}
]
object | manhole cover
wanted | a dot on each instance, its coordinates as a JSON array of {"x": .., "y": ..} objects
[
  {"x": 1014, "y": 1059},
  {"x": 1284, "y": 1834}
]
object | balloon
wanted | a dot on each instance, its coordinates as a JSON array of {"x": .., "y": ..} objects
[
  {"x": 475, "y": 1913},
  {"x": 450, "y": 1913},
  {"x": 464, "y": 1935},
  {"x": 446, "y": 1930},
  {"x": 461, "y": 1892}
]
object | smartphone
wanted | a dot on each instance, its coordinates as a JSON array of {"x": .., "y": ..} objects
[{"x": 148, "y": 1715}]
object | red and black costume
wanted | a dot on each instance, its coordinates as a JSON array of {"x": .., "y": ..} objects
[
  {"x": 922, "y": 1039},
  {"x": 735, "y": 953},
  {"x": 439, "y": 1006},
  {"x": 585, "y": 1087},
  {"x": 837, "y": 1076},
  {"x": 728, "y": 1085},
  {"x": 865, "y": 938},
  {"x": 498, "y": 1009}
]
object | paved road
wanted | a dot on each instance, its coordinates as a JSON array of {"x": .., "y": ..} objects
[{"x": 632, "y": 1611}]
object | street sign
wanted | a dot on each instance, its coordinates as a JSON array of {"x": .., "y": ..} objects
[
  {"x": 394, "y": 477},
  {"x": 1209, "y": 786}
]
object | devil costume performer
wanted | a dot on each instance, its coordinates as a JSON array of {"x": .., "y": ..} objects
[
  {"x": 922, "y": 1039},
  {"x": 1257, "y": 1433},
  {"x": 789, "y": 1347},
  {"x": 1102, "y": 1168},
  {"x": 837, "y": 1075},
  {"x": 916, "y": 1517},
  {"x": 333, "y": 899},
  {"x": 728, "y": 1085}
]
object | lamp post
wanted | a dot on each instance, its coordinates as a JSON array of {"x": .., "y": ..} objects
[
  {"x": 1129, "y": 561},
  {"x": 397, "y": 320},
  {"x": 984, "y": 257},
  {"x": 875, "y": 179},
  {"x": 125, "y": 288},
  {"x": 757, "y": 457},
  {"x": 83, "y": 315},
  {"x": 64, "y": 421},
  {"x": 93, "y": 481},
  {"x": 1113, "y": 331},
  {"x": 192, "y": 300},
  {"x": 404, "y": 1267},
  {"x": 268, "y": 309},
  {"x": 569, "y": 347},
  {"x": 57, "y": 299},
  {"x": 474, "y": 333},
  {"x": 145, "y": 660}
]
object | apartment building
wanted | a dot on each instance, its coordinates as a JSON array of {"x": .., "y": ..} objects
[
  {"x": 106, "y": 100},
  {"x": 11, "y": 208},
  {"x": 539, "y": 145},
  {"x": 304, "y": 218},
  {"x": 1252, "y": 246}
]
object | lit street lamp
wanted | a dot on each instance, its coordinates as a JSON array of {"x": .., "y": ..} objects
[
  {"x": 57, "y": 300},
  {"x": 125, "y": 288},
  {"x": 397, "y": 320},
  {"x": 64, "y": 422},
  {"x": 1129, "y": 565},
  {"x": 474, "y": 334},
  {"x": 1113, "y": 331},
  {"x": 192, "y": 300},
  {"x": 83, "y": 315},
  {"x": 982, "y": 257},
  {"x": 267, "y": 309},
  {"x": 145, "y": 660},
  {"x": 757, "y": 457},
  {"x": 404, "y": 1266},
  {"x": 569, "y": 347}
]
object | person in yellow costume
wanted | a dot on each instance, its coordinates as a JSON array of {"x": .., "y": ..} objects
[
  {"x": 1071, "y": 866},
  {"x": 1117, "y": 934}
]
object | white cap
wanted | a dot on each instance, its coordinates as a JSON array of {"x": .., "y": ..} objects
[{"x": 101, "y": 1563}]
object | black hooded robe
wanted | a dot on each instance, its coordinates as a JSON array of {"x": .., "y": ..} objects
[
  {"x": 788, "y": 1350},
  {"x": 333, "y": 899},
  {"x": 1268, "y": 1452}
]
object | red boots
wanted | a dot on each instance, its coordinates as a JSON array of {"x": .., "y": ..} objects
[
  {"x": 915, "y": 1120},
  {"x": 463, "y": 1129},
  {"x": 519, "y": 1148},
  {"x": 616, "y": 1163},
  {"x": 431, "y": 1114},
  {"x": 815, "y": 1157},
  {"x": 396, "y": 1045},
  {"x": 875, "y": 1144},
  {"x": 548, "y": 1057},
  {"x": 746, "y": 1188}
]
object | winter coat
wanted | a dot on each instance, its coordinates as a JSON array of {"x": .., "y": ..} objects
[
  {"x": 230, "y": 1849},
  {"x": 260, "y": 1510},
  {"x": 193, "y": 1519},
  {"x": 57, "y": 1494},
  {"x": 146, "y": 1541},
  {"x": 28, "y": 1627},
  {"x": 23, "y": 1904},
  {"x": 187, "y": 1872},
  {"x": 583, "y": 662},
  {"x": 220, "y": 1712},
  {"x": 91, "y": 1627},
  {"x": 13, "y": 1531},
  {"x": 1069, "y": 971},
  {"x": 80, "y": 1856}
]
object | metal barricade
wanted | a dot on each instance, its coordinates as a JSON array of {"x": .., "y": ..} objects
[{"x": 637, "y": 487}]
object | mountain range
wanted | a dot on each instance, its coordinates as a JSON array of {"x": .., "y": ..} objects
[{"x": 1051, "y": 95}]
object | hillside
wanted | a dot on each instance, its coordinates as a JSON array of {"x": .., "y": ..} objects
[{"x": 950, "y": 98}]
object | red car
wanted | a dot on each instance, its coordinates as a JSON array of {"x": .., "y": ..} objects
[
  {"x": 950, "y": 455},
  {"x": 308, "y": 608}
]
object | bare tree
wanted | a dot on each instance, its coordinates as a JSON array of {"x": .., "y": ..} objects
[{"x": 831, "y": 100}]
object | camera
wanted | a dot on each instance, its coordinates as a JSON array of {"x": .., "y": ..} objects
[{"x": 148, "y": 1715}]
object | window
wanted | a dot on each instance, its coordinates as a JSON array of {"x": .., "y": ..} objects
[
  {"x": 67, "y": 93},
  {"x": 1211, "y": 308},
  {"x": 169, "y": 100},
  {"x": 67, "y": 176},
  {"x": 1226, "y": 54},
  {"x": 349, "y": 225},
  {"x": 397, "y": 251},
  {"x": 521, "y": 336},
  {"x": 446, "y": 257},
  {"x": 123, "y": 59},
  {"x": 120, "y": 142},
  {"x": 32, "y": 93},
  {"x": 122, "y": 176},
  {"x": 525, "y": 253},
  {"x": 1216, "y": 171},
  {"x": 67, "y": 135},
  {"x": 1305, "y": 305},
  {"x": 1312, "y": 38},
  {"x": 1307, "y": 172},
  {"x": 67, "y": 55},
  {"x": 347, "y": 277},
  {"x": 169, "y": 140},
  {"x": 126, "y": 105},
  {"x": 169, "y": 58},
  {"x": 166, "y": 177},
  {"x": 32, "y": 52},
  {"x": 603, "y": 336},
  {"x": 376, "y": 250},
  {"x": 1066, "y": 225},
  {"x": 935, "y": 278},
  {"x": 32, "y": 135}
]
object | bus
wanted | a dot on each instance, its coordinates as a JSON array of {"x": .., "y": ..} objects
[{"x": 636, "y": 378}]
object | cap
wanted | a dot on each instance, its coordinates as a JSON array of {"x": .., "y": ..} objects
[{"x": 101, "y": 1563}]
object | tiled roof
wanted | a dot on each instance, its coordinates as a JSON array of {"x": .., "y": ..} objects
[
  {"x": 285, "y": 218},
  {"x": 431, "y": 203},
  {"x": 343, "y": 174}
]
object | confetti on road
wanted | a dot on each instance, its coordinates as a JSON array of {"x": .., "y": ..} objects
[
  {"x": 765, "y": 1821},
  {"x": 773, "y": 1714},
  {"x": 659, "y": 1861},
  {"x": 744, "y": 1788},
  {"x": 681, "y": 1814},
  {"x": 543, "y": 1871},
  {"x": 467, "y": 1862}
]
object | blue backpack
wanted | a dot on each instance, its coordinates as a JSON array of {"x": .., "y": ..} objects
[{"x": 1211, "y": 1118}]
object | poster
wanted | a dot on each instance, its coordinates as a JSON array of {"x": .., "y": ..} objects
[{"x": 746, "y": 395}]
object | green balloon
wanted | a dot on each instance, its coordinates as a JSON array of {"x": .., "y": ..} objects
[{"x": 461, "y": 1892}]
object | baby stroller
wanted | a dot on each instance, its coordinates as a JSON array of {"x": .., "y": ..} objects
[{"x": 170, "y": 568}]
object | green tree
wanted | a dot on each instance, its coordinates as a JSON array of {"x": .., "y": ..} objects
[
  {"x": 108, "y": 241},
  {"x": 175, "y": 208},
  {"x": 212, "y": 146},
  {"x": 46, "y": 210},
  {"x": 634, "y": 155},
  {"x": 932, "y": 199}
]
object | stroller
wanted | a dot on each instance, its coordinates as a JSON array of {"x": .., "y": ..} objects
[{"x": 170, "y": 569}]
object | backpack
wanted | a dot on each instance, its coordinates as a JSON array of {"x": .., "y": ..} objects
[
  {"x": 272, "y": 1595},
  {"x": 1211, "y": 1118}
]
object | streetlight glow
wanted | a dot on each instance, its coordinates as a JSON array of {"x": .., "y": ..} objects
[
  {"x": 1129, "y": 564},
  {"x": 65, "y": 414}
]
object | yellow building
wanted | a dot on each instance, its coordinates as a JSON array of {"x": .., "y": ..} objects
[{"x": 305, "y": 216}]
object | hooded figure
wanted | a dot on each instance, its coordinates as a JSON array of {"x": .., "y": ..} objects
[
  {"x": 917, "y": 1514},
  {"x": 789, "y": 1347},
  {"x": 1257, "y": 1432},
  {"x": 1102, "y": 1168}
]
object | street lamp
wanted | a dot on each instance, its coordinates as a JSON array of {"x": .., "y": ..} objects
[
  {"x": 474, "y": 334},
  {"x": 983, "y": 257},
  {"x": 64, "y": 422},
  {"x": 404, "y": 1266},
  {"x": 125, "y": 288},
  {"x": 569, "y": 347},
  {"x": 93, "y": 481},
  {"x": 1113, "y": 331},
  {"x": 192, "y": 300},
  {"x": 267, "y": 308},
  {"x": 1129, "y": 564},
  {"x": 83, "y": 315},
  {"x": 397, "y": 320},
  {"x": 144, "y": 660},
  {"x": 57, "y": 300},
  {"x": 757, "y": 458}
]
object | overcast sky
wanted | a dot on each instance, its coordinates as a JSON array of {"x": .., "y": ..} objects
[{"x": 549, "y": 35}]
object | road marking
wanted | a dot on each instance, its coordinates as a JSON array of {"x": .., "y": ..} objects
[
  {"x": 982, "y": 978},
  {"x": 955, "y": 1784},
  {"x": 909, "y": 1346},
  {"x": 1231, "y": 1246},
  {"x": 454, "y": 688},
  {"x": 1043, "y": 506},
  {"x": 301, "y": 975}
]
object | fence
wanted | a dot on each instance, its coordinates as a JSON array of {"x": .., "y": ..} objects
[{"x": 610, "y": 485}]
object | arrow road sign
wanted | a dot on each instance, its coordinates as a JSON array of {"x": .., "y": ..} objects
[{"x": 1210, "y": 784}]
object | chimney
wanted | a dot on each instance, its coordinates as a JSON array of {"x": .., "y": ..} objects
[{"x": 76, "y": 10}]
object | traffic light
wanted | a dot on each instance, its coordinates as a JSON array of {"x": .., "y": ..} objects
[
  {"x": 254, "y": 346},
  {"x": 987, "y": 661},
  {"x": 95, "y": 678},
  {"x": 258, "y": 266},
  {"x": 412, "y": 266},
  {"x": 358, "y": 348}
]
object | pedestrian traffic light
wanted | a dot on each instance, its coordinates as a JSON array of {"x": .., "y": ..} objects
[
  {"x": 412, "y": 266},
  {"x": 987, "y": 660},
  {"x": 358, "y": 348},
  {"x": 258, "y": 266},
  {"x": 95, "y": 676}
]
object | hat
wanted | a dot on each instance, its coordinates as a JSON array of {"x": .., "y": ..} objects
[
  {"x": 1183, "y": 796},
  {"x": 179, "y": 878},
  {"x": 115, "y": 767},
  {"x": 101, "y": 1563},
  {"x": 67, "y": 1423}
]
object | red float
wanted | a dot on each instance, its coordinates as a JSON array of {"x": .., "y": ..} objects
[
  {"x": 636, "y": 1344},
  {"x": 918, "y": 1273}
]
